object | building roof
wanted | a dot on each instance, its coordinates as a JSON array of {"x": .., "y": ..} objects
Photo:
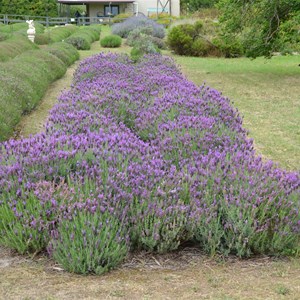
[{"x": 93, "y": 1}]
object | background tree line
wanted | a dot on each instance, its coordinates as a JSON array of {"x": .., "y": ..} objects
[{"x": 29, "y": 7}]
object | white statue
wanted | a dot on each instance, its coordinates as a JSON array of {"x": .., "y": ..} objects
[{"x": 31, "y": 30}]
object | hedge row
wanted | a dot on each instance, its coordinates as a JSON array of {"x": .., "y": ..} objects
[
  {"x": 24, "y": 80},
  {"x": 83, "y": 38},
  {"x": 56, "y": 34},
  {"x": 14, "y": 46},
  {"x": 21, "y": 27}
]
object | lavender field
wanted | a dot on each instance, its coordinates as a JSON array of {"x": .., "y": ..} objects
[{"x": 135, "y": 157}]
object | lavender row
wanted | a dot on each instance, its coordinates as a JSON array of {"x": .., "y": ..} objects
[{"x": 134, "y": 156}]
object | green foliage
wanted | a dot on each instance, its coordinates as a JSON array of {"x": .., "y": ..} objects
[
  {"x": 31, "y": 8},
  {"x": 23, "y": 81},
  {"x": 42, "y": 39},
  {"x": 121, "y": 17},
  {"x": 137, "y": 33},
  {"x": 14, "y": 46},
  {"x": 111, "y": 41},
  {"x": 192, "y": 39},
  {"x": 14, "y": 232},
  {"x": 159, "y": 230},
  {"x": 237, "y": 228},
  {"x": 143, "y": 45},
  {"x": 260, "y": 24},
  {"x": 83, "y": 38},
  {"x": 21, "y": 28},
  {"x": 57, "y": 34},
  {"x": 90, "y": 242},
  {"x": 229, "y": 46},
  {"x": 64, "y": 51}
]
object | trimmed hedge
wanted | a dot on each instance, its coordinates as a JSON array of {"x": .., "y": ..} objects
[
  {"x": 83, "y": 38},
  {"x": 21, "y": 27},
  {"x": 111, "y": 41},
  {"x": 55, "y": 34},
  {"x": 14, "y": 46},
  {"x": 24, "y": 80},
  {"x": 64, "y": 51}
]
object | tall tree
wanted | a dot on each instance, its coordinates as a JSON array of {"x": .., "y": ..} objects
[
  {"x": 257, "y": 22},
  {"x": 29, "y": 7}
]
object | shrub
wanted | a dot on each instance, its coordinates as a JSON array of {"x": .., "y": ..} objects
[
  {"x": 124, "y": 28},
  {"x": 83, "y": 38},
  {"x": 42, "y": 39},
  {"x": 3, "y": 36},
  {"x": 229, "y": 46},
  {"x": 64, "y": 51},
  {"x": 121, "y": 17},
  {"x": 135, "y": 35},
  {"x": 21, "y": 28},
  {"x": 179, "y": 40},
  {"x": 142, "y": 46},
  {"x": 15, "y": 46},
  {"x": 163, "y": 18},
  {"x": 21, "y": 89},
  {"x": 25, "y": 224},
  {"x": 193, "y": 39},
  {"x": 111, "y": 41},
  {"x": 55, "y": 34},
  {"x": 89, "y": 241}
]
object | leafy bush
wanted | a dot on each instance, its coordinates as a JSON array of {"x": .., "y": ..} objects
[
  {"x": 111, "y": 41},
  {"x": 135, "y": 35},
  {"x": 89, "y": 241},
  {"x": 198, "y": 39},
  {"x": 123, "y": 29},
  {"x": 3, "y": 36},
  {"x": 163, "y": 18},
  {"x": 14, "y": 46},
  {"x": 55, "y": 34},
  {"x": 229, "y": 46},
  {"x": 42, "y": 39},
  {"x": 64, "y": 51},
  {"x": 21, "y": 28},
  {"x": 25, "y": 225},
  {"x": 83, "y": 38},
  {"x": 143, "y": 45},
  {"x": 121, "y": 17},
  {"x": 21, "y": 89}
]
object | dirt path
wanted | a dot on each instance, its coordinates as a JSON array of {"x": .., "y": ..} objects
[
  {"x": 186, "y": 274},
  {"x": 34, "y": 122}
]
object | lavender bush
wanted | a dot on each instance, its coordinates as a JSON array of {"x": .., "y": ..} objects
[
  {"x": 89, "y": 238},
  {"x": 162, "y": 159},
  {"x": 124, "y": 28}
]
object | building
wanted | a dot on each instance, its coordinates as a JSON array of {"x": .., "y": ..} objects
[{"x": 101, "y": 8}]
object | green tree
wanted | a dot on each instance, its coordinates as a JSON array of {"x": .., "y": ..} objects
[
  {"x": 257, "y": 24},
  {"x": 29, "y": 7}
]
